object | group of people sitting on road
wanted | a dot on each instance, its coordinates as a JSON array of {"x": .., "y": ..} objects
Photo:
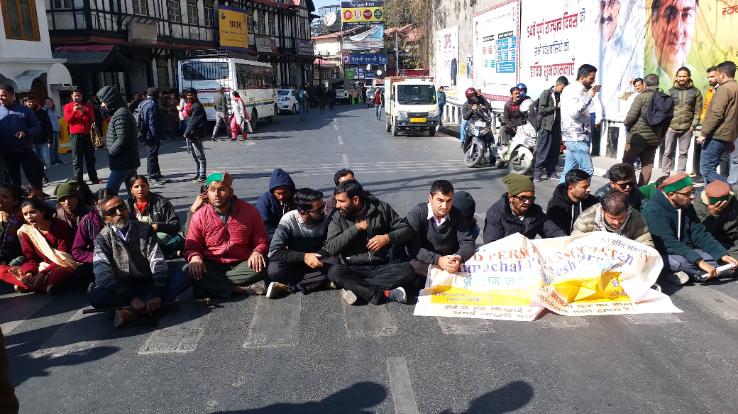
[{"x": 129, "y": 252}]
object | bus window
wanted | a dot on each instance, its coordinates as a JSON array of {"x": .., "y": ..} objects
[{"x": 197, "y": 71}]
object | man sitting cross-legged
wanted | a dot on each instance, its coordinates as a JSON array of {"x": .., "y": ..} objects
[
  {"x": 129, "y": 266},
  {"x": 226, "y": 243},
  {"x": 296, "y": 259},
  {"x": 614, "y": 215},
  {"x": 361, "y": 236},
  {"x": 441, "y": 233}
]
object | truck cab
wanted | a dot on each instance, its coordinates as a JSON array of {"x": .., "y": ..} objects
[{"x": 410, "y": 105}]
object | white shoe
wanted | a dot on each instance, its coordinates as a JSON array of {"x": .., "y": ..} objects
[
  {"x": 349, "y": 297},
  {"x": 677, "y": 279},
  {"x": 397, "y": 295},
  {"x": 276, "y": 290}
]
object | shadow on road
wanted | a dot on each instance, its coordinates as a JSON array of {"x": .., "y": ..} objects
[
  {"x": 511, "y": 397},
  {"x": 356, "y": 399}
]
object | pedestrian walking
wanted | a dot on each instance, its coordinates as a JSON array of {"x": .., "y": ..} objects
[
  {"x": 194, "y": 133},
  {"x": 378, "y": 102},
  {"x": 549, "y": 136},
  {"x": 576, "y": 127},
  {"x": 151, "y": 133},
  {"x": 220, "y": 103},
  {"x": 80, "y": 116},
  {"x": 720, "y": 127},
  {"x": 302, "y": 101},
  {"x": 122, "y": 140},
  {"x": 41, "y": 141},
  {"x": 240, "y": 119},
  {"x": 50, "y": 108},
  {"x": 687, "y": 110},
  {"x": 18, "y": 126},
  {"x": 441, "y": 104}
]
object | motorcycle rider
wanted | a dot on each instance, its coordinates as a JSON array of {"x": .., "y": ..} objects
[
  {"x": 512, "y": 116},
  {"x": 468, "y": 112}
]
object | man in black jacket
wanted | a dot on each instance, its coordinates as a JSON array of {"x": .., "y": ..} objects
[
  {"x": 197, "y": 122},
  {"x": 361, "y": 236},
  {"x": 549, "y": 136},
  {"x": 441, "y": 233},
  {"x": 622, "y": 179},
  {"x": 512, "y": 117},
  {"x": 152, "y": 120},
  {"x": 41, "y": 142},
  {"x": 569, "y": 199},
  {"x": 121, "y": 140},
  {"x": 517, "y": 212}
]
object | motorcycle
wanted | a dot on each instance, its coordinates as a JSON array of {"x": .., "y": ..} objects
[
  {"x": 518, "y": 153},
  {"x": 478, "y": 138}
]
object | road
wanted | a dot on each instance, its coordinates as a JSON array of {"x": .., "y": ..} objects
[{"x": 313, "y": 354}]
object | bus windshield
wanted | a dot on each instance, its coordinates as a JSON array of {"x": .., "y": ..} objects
[
  {"x": 199, "y": 71},
  {"x": 416, "y": 94}
]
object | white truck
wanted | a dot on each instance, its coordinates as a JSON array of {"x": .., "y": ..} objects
[{"x": 410, "y": 104}]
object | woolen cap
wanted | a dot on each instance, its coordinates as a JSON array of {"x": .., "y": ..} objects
[
  {"x": 465, "y": 203},
  {"x": 676, "y": 182},
  {"x": 517, "y": 183},
  {"x": 223, "y": 177}
]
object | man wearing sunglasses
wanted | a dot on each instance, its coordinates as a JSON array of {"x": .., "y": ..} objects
[
  {"x": 689, "y": 251},
  {"x": 622, "y": 180},
  {"x": 297, "y": 261},
  {"x": 717, "y": 208},
  {"x": 517, "y": 212},
  {"x": 130, "y": 269}
]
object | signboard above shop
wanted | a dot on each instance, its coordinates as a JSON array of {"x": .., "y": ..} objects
[
  {"x": 233, "y": 27},
  {"x": 355, "y": 13},
  {"x": 367, "y": 59}
]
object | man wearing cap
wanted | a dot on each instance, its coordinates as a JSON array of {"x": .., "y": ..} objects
[
  {"x": 688, "y": 249},
  {"x": 129, "y": 266},
  {"x": 717, "y": 208},
  {"x": 441, "y": 234},
  {"x": 516, "y": 212},
  {"x": 226, "y": 243},
  {"x": 468, "y": 207}
]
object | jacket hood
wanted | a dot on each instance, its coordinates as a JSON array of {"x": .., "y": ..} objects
[
  {"x": 560, "y": 193},
  {"x": 687, "y": 86},
  {"x": 280, "y": 178},
  {"x": 111, "y": 97}
]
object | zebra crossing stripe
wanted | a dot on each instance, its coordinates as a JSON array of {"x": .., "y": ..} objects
[
  {"x": 276, "y": 323},
  {"x": 177, "y": 339},
  {"x": 65, "y": 341},
  {"x": 369, "y": 320},
  {"x": 401, "y": 386},
  {"x": 464, "y": 326},
  {"x": 712, "y": 300}
]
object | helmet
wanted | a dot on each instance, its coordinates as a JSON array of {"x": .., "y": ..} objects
[
  {"x": 470, "y": 92},
  {"x": 522, "y": 87}
]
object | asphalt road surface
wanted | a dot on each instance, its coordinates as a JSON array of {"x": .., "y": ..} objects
[{"x": 313, "y": 354}]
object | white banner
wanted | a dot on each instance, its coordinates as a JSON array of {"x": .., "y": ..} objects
[
  {"x": 447, "y": 56},
  {"x": 516, "y": 279},
  {"x": 495, "y": 62}
]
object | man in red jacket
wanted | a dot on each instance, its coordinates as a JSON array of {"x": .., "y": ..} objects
[
  {"x": 226, "y": 244},
  {"x": 80, "y": 116}
]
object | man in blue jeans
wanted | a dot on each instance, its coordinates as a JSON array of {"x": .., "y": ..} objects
[
  {"x": 720, "y": 126},
  {"x": 122, "y": 142},
  {"x": 576, "y": 127}
]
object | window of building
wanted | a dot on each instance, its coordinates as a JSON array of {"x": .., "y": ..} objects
[
  {"x": 261, "y": 22},
  {"x": 174, "y": 10},
  {"x": 209, "y": 15},
  {"x": 140, "y": 7},
  {"x": 62, "y": 4},
  {"x": 20, "y": 19},
  {"x": 192, "y": 14},
  {"x": 162, "y": 72},
  {"x": 272, "y": 25}
]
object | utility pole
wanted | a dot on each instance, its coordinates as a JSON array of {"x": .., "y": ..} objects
[{"x": 397, "y": 56}]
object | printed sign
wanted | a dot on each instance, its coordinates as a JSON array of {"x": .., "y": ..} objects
[
  {"x": 447, "y": 56},
  {"x": 233, "y": 27},
  {"x": 496, "y": 50},
  {"x": 368, "y": 37},
  {"x": 361, "y": 12},
  {"x": 367, "y": 59},
  {"x": 516, "y": 279}
]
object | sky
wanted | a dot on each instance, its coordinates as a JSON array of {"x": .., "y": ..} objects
[{"x": 321, "y": 3}]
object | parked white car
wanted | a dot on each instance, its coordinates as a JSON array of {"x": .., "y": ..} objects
[{"x": 287, "y": 101}]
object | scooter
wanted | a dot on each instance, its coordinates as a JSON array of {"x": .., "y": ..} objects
[
  {"x": 478, "y": 138},
  {"x": 518, "y": 153}
]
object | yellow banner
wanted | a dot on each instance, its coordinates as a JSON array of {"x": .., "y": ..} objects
[
  {"x": 362, "y": 14},
  {"x": 233, "y": 28}
]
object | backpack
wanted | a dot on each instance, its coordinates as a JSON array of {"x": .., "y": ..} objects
[
  {"x": 660, "y": 110},
  {"x": 534, "y": 116},
  {"x": 142, "y": 128}
]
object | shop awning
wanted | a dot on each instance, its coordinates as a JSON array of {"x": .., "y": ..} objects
[
  {"x": 58, "y": 74},
  {"x": 96, "y": 58}
]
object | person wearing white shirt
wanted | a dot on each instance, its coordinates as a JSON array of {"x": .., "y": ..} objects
[{"x": 576, "y": 127}]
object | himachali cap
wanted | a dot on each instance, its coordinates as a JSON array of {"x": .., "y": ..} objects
[
  {"x": 223, "y": 177},
  {"x": 717, "y": 191},
  {"x": 676, "y": 182}
]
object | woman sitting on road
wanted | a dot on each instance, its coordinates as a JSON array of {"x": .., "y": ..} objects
[
  {"x": 240, "y": 118},
  {"x": 156, "y": 210},
  {"x": 46, "y": 243},
  {"x": 10, "y": 221}
]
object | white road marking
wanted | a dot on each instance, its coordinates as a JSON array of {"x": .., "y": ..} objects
[
  {"x": 654, "y": 319},
  {"x": 369, "y": 320},
  {"x": 276, "y": 323},
  {"x": 22, "y": 309},
  {"x": 335, "y": 127},
  {"x": 344, "y": 158},
  {"x": 712, "y": 300},
  {"x": 401, "y": 387},
  {"x": 563, "y": 322},
  {"x": 64, "y": 341},
  {"x": 464, "y": 326},
  {"x": 177, "y": 339},
  {"x": 340, "y": 140}
]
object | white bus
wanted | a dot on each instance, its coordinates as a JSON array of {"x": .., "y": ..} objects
[{"x": 254, "y": 81}]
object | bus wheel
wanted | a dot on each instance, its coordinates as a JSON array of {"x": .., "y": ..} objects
[{"x": 254, "y": 119}]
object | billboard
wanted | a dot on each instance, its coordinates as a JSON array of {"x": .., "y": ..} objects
[
  {"x": 366, "y": 37},
  {"x": 447, "y": 56},
  {"x": 354, "y": 13},
  {"x": 233, "y": 27},
  {"x": 495, "y": 58}
]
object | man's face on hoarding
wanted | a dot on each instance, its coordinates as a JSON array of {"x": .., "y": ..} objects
[
  {"x": 610, "y": 10},
  {"x": 672, "y": 26}
]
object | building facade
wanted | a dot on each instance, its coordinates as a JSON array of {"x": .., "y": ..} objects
[
  {"x": 135, "y": 44},
  {"x": 26, "y": 62}
]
